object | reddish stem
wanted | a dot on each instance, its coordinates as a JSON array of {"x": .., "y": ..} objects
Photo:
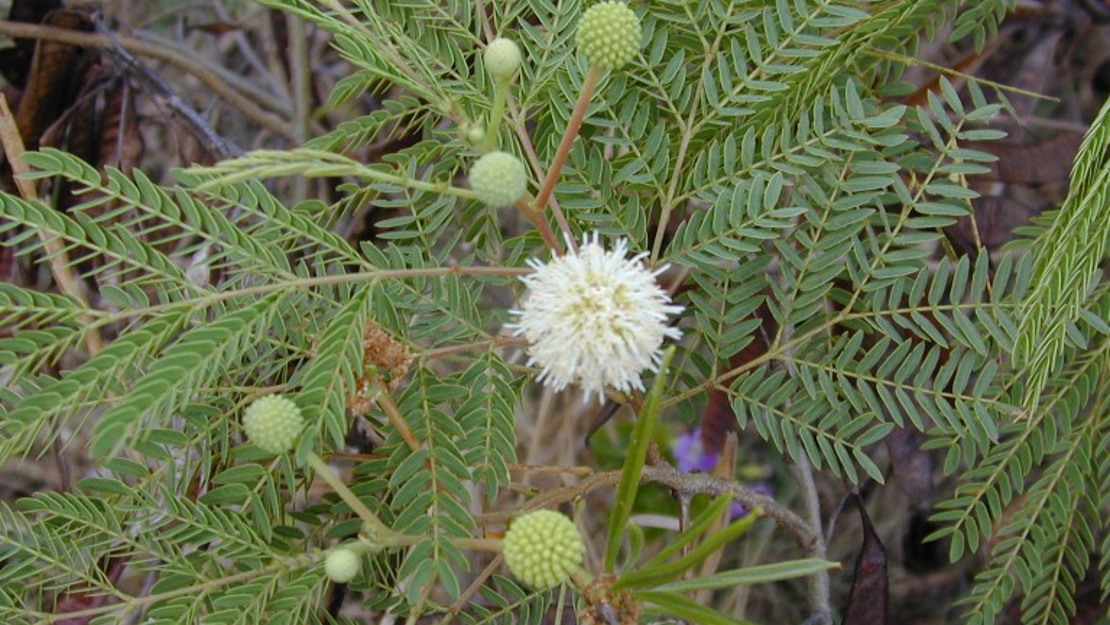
[{"x": 589, "y": 85}]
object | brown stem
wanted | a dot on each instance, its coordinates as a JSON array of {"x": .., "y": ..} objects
[
  {"x": 300, "y": 79},
  {"x": 542, "y": 226},
  {"x": 682, "y": 482},
  {"x": 589, "y": 85},
  {"x": 464, "y": 598},
  {"x": 67, "y": 281}
]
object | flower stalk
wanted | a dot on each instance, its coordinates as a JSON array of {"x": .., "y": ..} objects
[
  {"x": 589, "y": 86},
  {"x": 325, "y": 471}
]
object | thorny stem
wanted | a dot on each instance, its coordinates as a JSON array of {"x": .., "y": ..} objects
[{"x": 589, "y": 85}]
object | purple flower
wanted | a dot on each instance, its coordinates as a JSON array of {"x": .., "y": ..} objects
[{"x": 690, "y": 454}]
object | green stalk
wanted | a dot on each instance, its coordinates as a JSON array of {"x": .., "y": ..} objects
[
  {"x": 500, "y": 95},
  {"x": 634, "y": 463},
  {"x": 325, "y": 471}
]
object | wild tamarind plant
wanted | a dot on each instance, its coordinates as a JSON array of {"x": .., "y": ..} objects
[{"x": 663, "y": 206}]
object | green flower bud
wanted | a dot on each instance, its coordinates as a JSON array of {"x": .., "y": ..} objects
[
  {"x": 472, "y": 133},
  {"x": 273, "y": 423},
  {"x": 542, "y": 548},
  {"x": 498, "y": 178},
  {"x": 342, "y": 565},
  {"x": 609, "y": 34},
  {"x": 502, "y": 58}
]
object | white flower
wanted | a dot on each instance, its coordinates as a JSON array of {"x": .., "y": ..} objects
[{"x": 595, "y": 318}]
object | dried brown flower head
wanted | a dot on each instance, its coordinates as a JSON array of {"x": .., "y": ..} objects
[{"x": 385, "y": 360}]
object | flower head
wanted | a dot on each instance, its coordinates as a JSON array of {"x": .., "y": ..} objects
[
  {"x": 543, "y": 548},
  {"x": 273, "y": 423},
  {"x": 502, "y": 58},
  {"x": 498, "y": 178},
  {"x": 595, "y": 318},
  {"x": 342, "y": 565},
  {"x": 609, "y": 34}
]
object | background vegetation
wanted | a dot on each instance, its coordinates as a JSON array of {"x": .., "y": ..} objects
[{"x": 843, "y": 190}]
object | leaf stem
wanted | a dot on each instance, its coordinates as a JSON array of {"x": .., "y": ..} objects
[
  {"x": 105, "y": 318},
  {"x": 311, "y": 163},
  {"x": 491, "y": 545}
]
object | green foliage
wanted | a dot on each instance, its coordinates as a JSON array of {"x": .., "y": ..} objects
[
  {"x": 749, "y": 146},
  {"x": 1067, "y": 268}
]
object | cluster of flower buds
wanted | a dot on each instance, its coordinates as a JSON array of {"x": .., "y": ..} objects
[{"x": 592, "y": 317}]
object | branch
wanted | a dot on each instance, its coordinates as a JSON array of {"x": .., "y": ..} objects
[
  {"x": 667, "y": 475},
  {"x": 68, "y": 282},
  {"x": 269, "y": 121}
]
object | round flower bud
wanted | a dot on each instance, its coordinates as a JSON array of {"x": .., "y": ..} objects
[
  {"x": 475, "y": 134},
  {"x": 498, "y": 178},
  {"x": 609, "y": 34},
  {"x": 502, "y": 58},
  {"x": 273, "y": 423},
  {"x": 342, "y": 565},
  {"x": 542, "y": 548}
]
